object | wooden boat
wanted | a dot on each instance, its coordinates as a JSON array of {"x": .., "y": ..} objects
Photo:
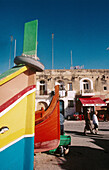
[
  {"x": 17, "y": 108},
  {"x": 47, "y": 126}
]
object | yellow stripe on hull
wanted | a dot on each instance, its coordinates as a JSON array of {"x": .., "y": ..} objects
[
  {"x": 19, "y": 120},
  {"x": 11, "y": 76}
]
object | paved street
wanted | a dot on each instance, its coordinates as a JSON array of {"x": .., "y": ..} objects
[{"x": 86, "y": 152}]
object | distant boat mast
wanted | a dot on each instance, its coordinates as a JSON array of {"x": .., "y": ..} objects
[
  {"x": 15, "y": 50},
  {"x": 71, "y": 61},
  {"x": 10, "y": 52},
  {"x": 71, "y": 58},
  {"x": 52, "y": 51}
]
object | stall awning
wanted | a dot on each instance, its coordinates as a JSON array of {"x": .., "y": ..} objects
[{"x": 95, "y": 101}]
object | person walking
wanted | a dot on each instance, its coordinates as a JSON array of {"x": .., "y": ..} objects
[
  {"x": 61, "y": 124},
  {"x": 95, "y": 122},
  {"x": 88, "y": 125}
]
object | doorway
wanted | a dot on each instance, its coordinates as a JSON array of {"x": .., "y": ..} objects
[{"x": 61, "y": 107}]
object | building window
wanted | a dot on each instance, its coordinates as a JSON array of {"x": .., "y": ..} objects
[
  {"x": 43, "y": 90},
  {"x": 86, "y": 85},
  {"x": 70, "y": 87},
  {"x": 105, "y": 88},
  {"x": 42, "y": 82},
  {"x": 70, "y": 103}
]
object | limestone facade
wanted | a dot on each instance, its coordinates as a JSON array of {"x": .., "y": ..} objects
[{"x": 74, "y": 84}]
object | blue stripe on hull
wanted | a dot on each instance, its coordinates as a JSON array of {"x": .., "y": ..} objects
[{"x": 19, "y": 156}]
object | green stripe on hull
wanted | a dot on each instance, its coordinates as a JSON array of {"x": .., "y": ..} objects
[
  {"x": 11, "y": 71},
  {"x": 30, "y": 38}
]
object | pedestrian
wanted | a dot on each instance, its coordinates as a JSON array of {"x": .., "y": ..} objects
[
  {"x": 61, "y": 124},
  {"x": 95, "y": 122},
  {"x": 88, "y": 125}
]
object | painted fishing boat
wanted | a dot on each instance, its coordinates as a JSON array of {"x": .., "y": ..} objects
[
  {"x": 17, "y": 106},
  {"x": 47, "y": 126}
]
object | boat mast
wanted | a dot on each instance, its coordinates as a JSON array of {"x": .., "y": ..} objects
[
  {"x": 10, "y": 52},
  {"x": 15, "y": 50},
  {"x": 71, "y": 61},
  {"x": 52, "y": 50}
]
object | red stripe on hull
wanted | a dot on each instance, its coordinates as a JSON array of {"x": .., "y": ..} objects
[{"x": 16, "y": 97}]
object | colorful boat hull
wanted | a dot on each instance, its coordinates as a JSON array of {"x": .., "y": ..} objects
[
  {"x": 47, "y": 126},
  {"x": 14, "y": 158},
  {"x": 17, "y": 113},
  {"x": 17, "y": 106}
]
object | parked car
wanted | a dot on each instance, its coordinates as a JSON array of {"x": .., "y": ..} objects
[
  {"x": 75, "y": 116},
  {"x": 101, "y": 117}
]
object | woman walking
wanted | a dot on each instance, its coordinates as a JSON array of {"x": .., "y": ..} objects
[{"x": 95, "y": 122}]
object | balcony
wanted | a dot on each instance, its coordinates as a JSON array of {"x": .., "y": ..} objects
[
  {"x": 71, "y": 94},
  {"x": 42, "y": 94},
  {"x": 62, "y": 93},
  {"x": 87, "y": 92}
]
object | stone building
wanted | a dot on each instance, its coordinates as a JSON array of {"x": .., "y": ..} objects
[{"x": 73, "y": 85}]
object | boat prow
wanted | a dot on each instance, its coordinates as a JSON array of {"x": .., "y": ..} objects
[
  {"x": 17, "y": 107},
  {"x": 47, "y": 126}
]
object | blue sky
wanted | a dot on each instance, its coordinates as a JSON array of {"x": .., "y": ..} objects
[{"x": 78, "y": 25}]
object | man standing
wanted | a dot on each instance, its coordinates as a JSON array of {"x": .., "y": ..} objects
[
  {"x": 61, "y": 124},
  {"x": 88, "y": 125}
]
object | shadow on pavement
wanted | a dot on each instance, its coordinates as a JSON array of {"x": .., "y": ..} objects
[
  {"x": 85, "y": 158},
  {"x": 88, "y": 134},
  {"x": 103, "y": 143},
  {"x": 75, "y": 132},
  {"x": 103, "y": 129}
]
